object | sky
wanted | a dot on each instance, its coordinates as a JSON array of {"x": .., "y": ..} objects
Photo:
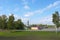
[{"x": 36, "y": 11}]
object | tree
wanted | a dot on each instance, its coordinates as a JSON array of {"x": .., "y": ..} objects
[
  {"x": 19, "y": 24},
  {"x": 10, "y": 23},
  {"x": 0, "y": 22},
  {"x": 3, "y": 21},
  {"x": 56, "y": 19}
]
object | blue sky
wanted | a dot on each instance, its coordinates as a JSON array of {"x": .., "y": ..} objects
[{"x": 36, "y": 11}]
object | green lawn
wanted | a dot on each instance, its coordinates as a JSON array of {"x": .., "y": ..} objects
[{"x": 42, "y": 35}]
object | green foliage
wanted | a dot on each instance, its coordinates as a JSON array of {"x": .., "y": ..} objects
[
  {"x": 19, "y": 24},
  {"x": 33, "y": 25},
  {"x": 10, "y": 23},
  {"x": 3, "y": 20},
  {"x": 56, "y": 19},
  {"x": 0, "y": 22}
]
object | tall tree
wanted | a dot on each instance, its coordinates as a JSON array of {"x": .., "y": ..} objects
[
  {"x": 10, "y": 23},
  {"x": 56, "y": 20},
  {"x": 19, "y": 24},
  {"x": 4, "y": 21}
]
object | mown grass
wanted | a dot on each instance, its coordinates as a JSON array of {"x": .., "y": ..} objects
[
  {"x": 32, "y": 35},
  {"x": 27, "y": 33}
]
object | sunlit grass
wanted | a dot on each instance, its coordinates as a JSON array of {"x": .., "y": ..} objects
[{"x": 27, "y": 33}]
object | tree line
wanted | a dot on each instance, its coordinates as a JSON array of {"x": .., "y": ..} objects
[{"x": 10, "y": 23}]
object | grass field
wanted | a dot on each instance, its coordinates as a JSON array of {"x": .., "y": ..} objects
[{"x": 42, "y": 35}]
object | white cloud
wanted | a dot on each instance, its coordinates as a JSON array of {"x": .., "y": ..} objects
[
  {"x": 26, "y": 7},
  {"x": 28, "y": 14},
  {"x": 47, "y": 19},
  {"x": 53, "y": 5},
  {"x": 39, "y": 11},
  {"x": 56, "y": 3},
  {"x": 50, "y": 6},
  {"x": 19, "y": 17},
  {"x": 16, "y": 16},
  {"x": 25, "y": 4}
]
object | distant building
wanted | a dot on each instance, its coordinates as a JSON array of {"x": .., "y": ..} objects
[{"x": 34, "y": 28}]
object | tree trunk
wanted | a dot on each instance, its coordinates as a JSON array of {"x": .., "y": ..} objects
[{"x": 56, "y": 29}]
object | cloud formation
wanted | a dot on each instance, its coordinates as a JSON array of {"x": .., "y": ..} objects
[
  {"x": 26, "y": 7},
  {"x": 29, "y": 14},
  {"x": 47, "y": 19},
  {"x": 25, "y": 3},
  {"x": 49, "y": 7},
  {"x": 55, "y": 4}
]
